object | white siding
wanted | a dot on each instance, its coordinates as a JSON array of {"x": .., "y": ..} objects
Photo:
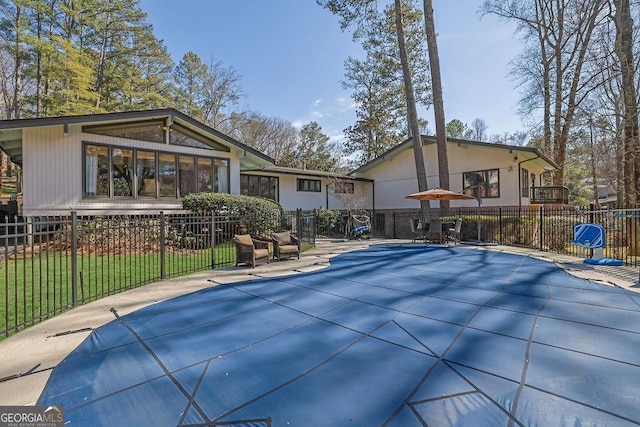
[
  {"x": 53, "y": 176},
  {"x": 396, "y": 177}
]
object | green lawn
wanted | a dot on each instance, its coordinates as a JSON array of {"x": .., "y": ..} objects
[{"x": 37, "y": 287}]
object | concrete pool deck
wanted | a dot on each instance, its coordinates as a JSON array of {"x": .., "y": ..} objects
[{"x": 28, "y": 358}]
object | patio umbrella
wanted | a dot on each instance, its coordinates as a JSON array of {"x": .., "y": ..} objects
[
  {"x": 438, "y": 194},
  {"x": 442, "y": 194}
]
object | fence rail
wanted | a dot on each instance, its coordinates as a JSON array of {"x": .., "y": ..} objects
[{"x": 51, "y": 264}]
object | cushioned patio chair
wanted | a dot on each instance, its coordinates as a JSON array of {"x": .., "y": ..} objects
[
  {"x": 249, "y": 250},
  {"x": 284, "y": 244},
  {"x": 417, "y": 233},
  {"x": 454, "y": 233},
  {"x": 434, "y": 234}
]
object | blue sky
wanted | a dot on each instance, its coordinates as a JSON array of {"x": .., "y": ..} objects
[{"x": 290, "y": 54}]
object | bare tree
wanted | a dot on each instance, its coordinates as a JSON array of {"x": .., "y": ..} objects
[
  {"x": 557, "y": 34},
  {"x": 479, "y": 130},
  {"x": 624, "y": 52},
  {"x": 221, "y": 91}
]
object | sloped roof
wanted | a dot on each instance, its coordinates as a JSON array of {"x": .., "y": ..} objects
[
  {"x": 11, "y": 131},
  {"x": 305, "y": 172},
  {"x": 527, "y": 152}
]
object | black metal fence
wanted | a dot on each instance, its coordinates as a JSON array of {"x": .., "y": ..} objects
[
  {"x": 547, "y": 228},
  {"x": 51, "y": 264}
]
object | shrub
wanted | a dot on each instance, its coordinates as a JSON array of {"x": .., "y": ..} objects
[
  {"x": 256, "y": 214},
  {"x": 327, "y": 219}
]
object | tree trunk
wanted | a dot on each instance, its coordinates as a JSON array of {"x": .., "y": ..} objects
[
  {"x": 412, "y": 111},
  {"x": 438, "y": 101},
  {"x": 624, "y": 52}
]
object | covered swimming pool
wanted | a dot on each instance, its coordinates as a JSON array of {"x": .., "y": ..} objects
[{"x": 394, "y": 335}]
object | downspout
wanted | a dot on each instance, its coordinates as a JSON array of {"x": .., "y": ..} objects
[
  {"x": 326, "y": 189},
  {"x": 520, "y": 180}
]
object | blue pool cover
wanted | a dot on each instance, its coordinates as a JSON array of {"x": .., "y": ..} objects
[{"x": 389, "y": 336}]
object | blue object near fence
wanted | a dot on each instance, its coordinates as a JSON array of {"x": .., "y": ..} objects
[{"x": 591, "y": 236}]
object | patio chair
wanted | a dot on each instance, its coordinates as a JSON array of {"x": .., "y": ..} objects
[
  {"x": 455, "y": 231},
  {"x": 249, "y": 250},
  {"x": 285, "y": 244},
  {"x": 434, "y": 234},
  {"x": 416, "y": 230}
]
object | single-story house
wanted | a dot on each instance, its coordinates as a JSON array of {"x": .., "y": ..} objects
[
  {"x": 305, "y": 189},
  {"x": 145, "y": 161},
  {"x": 498, "y": 174},
  {"x": 131, "y": 162}
]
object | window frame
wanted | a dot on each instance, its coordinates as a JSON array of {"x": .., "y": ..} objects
[
  {"x": 344, "y": 187},
  {"x": 474, "y": 190},
  {"x": 524, "y": 183},
  {"x": 317, "y": 184},
  {"x": 214, "y": 171},
  {"x": 258, "y": 182}
]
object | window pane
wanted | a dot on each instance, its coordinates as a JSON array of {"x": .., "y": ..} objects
[
  {"x": 273, "y": 183},
  {"x": 187, "y": 175},
  {"x": 254, "y": 185},
  {"x": 96, "y": 164},
  {"x": 122, "y": 165},
  {"x": 205, "y": 177},
  {"x": 221, "y": 170},
  {"x": 524, "y": 183},
  {"x": 146, "y": 173},
  {"x": 167, "y": 175},
  {"x": 244, "y": 185},
  {"x": 493, "y": 181},
  {"x": 264, "y": 187},
  {"x": 179, "y": 135},
  {"x": 142, "y": 131}
]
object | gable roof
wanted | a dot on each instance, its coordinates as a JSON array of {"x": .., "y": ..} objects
[
  {"x": 528, "y": 153},
  {"x": 11, "y": 131}
]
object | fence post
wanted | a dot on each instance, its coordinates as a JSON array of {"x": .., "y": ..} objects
[
  {"x": 540, "y": 209},
  {"x": 213, "y": 240},
  {"x": 393, "y": 216},
  {"x": 162, "y": 246},
  {"x": 74, "y": 258},
  {"x": 500, "y": 225}
]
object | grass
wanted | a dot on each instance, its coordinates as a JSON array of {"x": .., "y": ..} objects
[{"x": 34, "y": 287}]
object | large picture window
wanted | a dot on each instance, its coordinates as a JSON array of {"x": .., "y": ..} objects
[
  {"x": 483, "y": 184},
  {"x": 309, "y": 185},
  {"x": 261, "y": 186},
  {"x": 111, "y": 171}
]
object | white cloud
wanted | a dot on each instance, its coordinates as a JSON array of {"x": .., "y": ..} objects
[{"x": 317, "y": 102}]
